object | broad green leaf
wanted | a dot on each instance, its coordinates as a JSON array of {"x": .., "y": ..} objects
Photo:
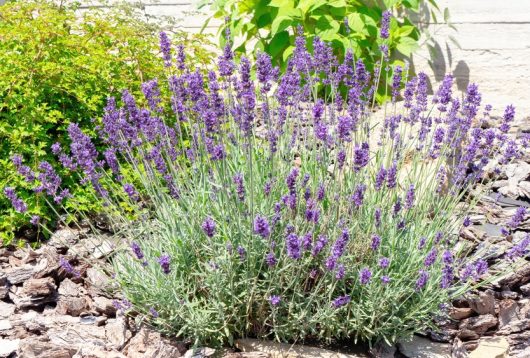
[
  {"x": 390, "y": 3},
  {"x": 337, "y": 3},
  {"x": 356, "y": 23},
  {"x": 278, "y": 43},
  {"x": 280, "y": 3},
  {"x": 405, "y": 30},
  {"x": 407, "y": 45},
  {"x": 280, "y": 23},
  {"x": 326, "y": 27}
]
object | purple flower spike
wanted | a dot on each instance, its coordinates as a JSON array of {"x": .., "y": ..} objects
[
  {"x": 341, "y": 301},
  {"x": 165, "y": 48},
  {"x": 365, "y": 276},
  {"x": 467, "y": 221},
  {"x": 518, "y": 217},
  {"x": 275, "y": 300},
  {"x": 137, "y": 251},
  {"x": 35, "y": 220},
  {"x": 384, "y": 262},
  {"x": 376, "y": 242},
  {"x": 164, "y": 261},
  {"x": 261, "y": 226},
  {"x": 292, "y": 244},
  {"x": 208, "y": 226},
  {"x": 65, "y": 264},
  {"x": 409, "y": 200},
  {"x": 385, "y": 280},
  {"x": 385, "y": 24},
  {"x": 431, "y": 258},
  {"x": 17, "y": 203},
  {"x": 422, "y": 280},
  {"x": 341, "y": 272},
  {"x": 270, "y": 259},
  {"x": 153, "y": 312}
]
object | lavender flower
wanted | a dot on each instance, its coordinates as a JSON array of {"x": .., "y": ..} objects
[
  {"x": 261, "y": 226},
  {"x": 385, "y": 24},
  {"x": 130, "y": 191},
  {"x": 431, "y": 258},
  {"x": 35, "y": 220},
  {"x": 242, "y": 253},
  {"x": 65, "y": 264},
  {"x": 422, "y": 280},
  {"x": 321, "y": 192},
  {"x": 409, "y": 200},
  {"x": 164, "y": 261},
  {"x": 361, "y": 156},
  {"x": 518, "y": 217},
  {"x": 384, "y": 262},
  {"x": 391, "y": 176},
  {"x": 17, "y": 203},
  {"x": 385, "y": 280},
  {"x": 153, "y": 312},
  {"x": 291, "y": 180},
  {"x": 240, "y": 186},
  {"x": 520, "y": 249},
  {"x": 341, "y": 272},
  {"x": 165, "y": 48},
  {"x": 467, "y": 221},
  {"x": 365, "y": 276},
  {"x": 319, "y": 245},
  {"x": 137, "y": 251},
  {"x": 292, "y": 244},
  {"x": 380, "y": 178},
  {"x": 377, "y": 217},
  {"x": 376, "y": 242},
  {"x": 341, "y": 301},
  {"x": 358, "y": 195},
  {"x": 270, "y": 259},
  {"x": 208, "y": 226},
  {"x": 275, "y": 300}
]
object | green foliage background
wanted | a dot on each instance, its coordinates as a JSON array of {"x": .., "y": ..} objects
[
  {"x": 58, "y": 66},
  {"x": 268, "y": 26}
]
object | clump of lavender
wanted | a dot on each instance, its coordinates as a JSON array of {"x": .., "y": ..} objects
[{"x": 247, "y": 191}]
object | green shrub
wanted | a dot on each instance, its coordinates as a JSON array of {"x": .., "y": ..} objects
[
  {"x": 56, "y": 69},
  {"x": 270, "y": 26},
  {"x": 287, "y": 218}
]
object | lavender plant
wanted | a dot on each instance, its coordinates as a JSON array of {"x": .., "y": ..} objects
[{"x": 266, "y": 211}]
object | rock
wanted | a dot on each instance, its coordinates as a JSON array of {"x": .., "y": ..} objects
[
  {"x": 117, "y": 333},
  {"x": 520, "y": 276},
  {"x": 5, "y": 325},
  {"x": 508, "y": 311},
  {"x": 73, "y": 299},
  {"x": 8, "y": 347},
  {"x": 149, "y": 343},
  {"x": 76, "y": 336},
  {"x": 93, "y": 246},
  {"x": 383, "y": 350},
  {"x": 491, "y": 347},
  {"x": 420, "y": 347},
  {"x": 283, "y": 350},
  {"x": 458, "y": 350},
  {"x": 200, "y": 353},
  {"x": 16, "y": 275},
  {"x": 484, "y": 303},
  {"x": 4, "y": 285},
  {"x": 64, "y": 238},
  {"x": 91, "y": 352},
  {"x": 249, "y": 355},
  {"x": 34, "y": 293},
  {"x": 525, "y": 289},
  {"x": 40, "y": 347},
  {"x": 6, "y": 309},
  {"x": 104, "y": 306},
  {"x": 97, "y": 281},
  {"x": 460, "y": 313},
  {"x": 474, "y": 327},
  {"x": 507, "y": 294}
]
